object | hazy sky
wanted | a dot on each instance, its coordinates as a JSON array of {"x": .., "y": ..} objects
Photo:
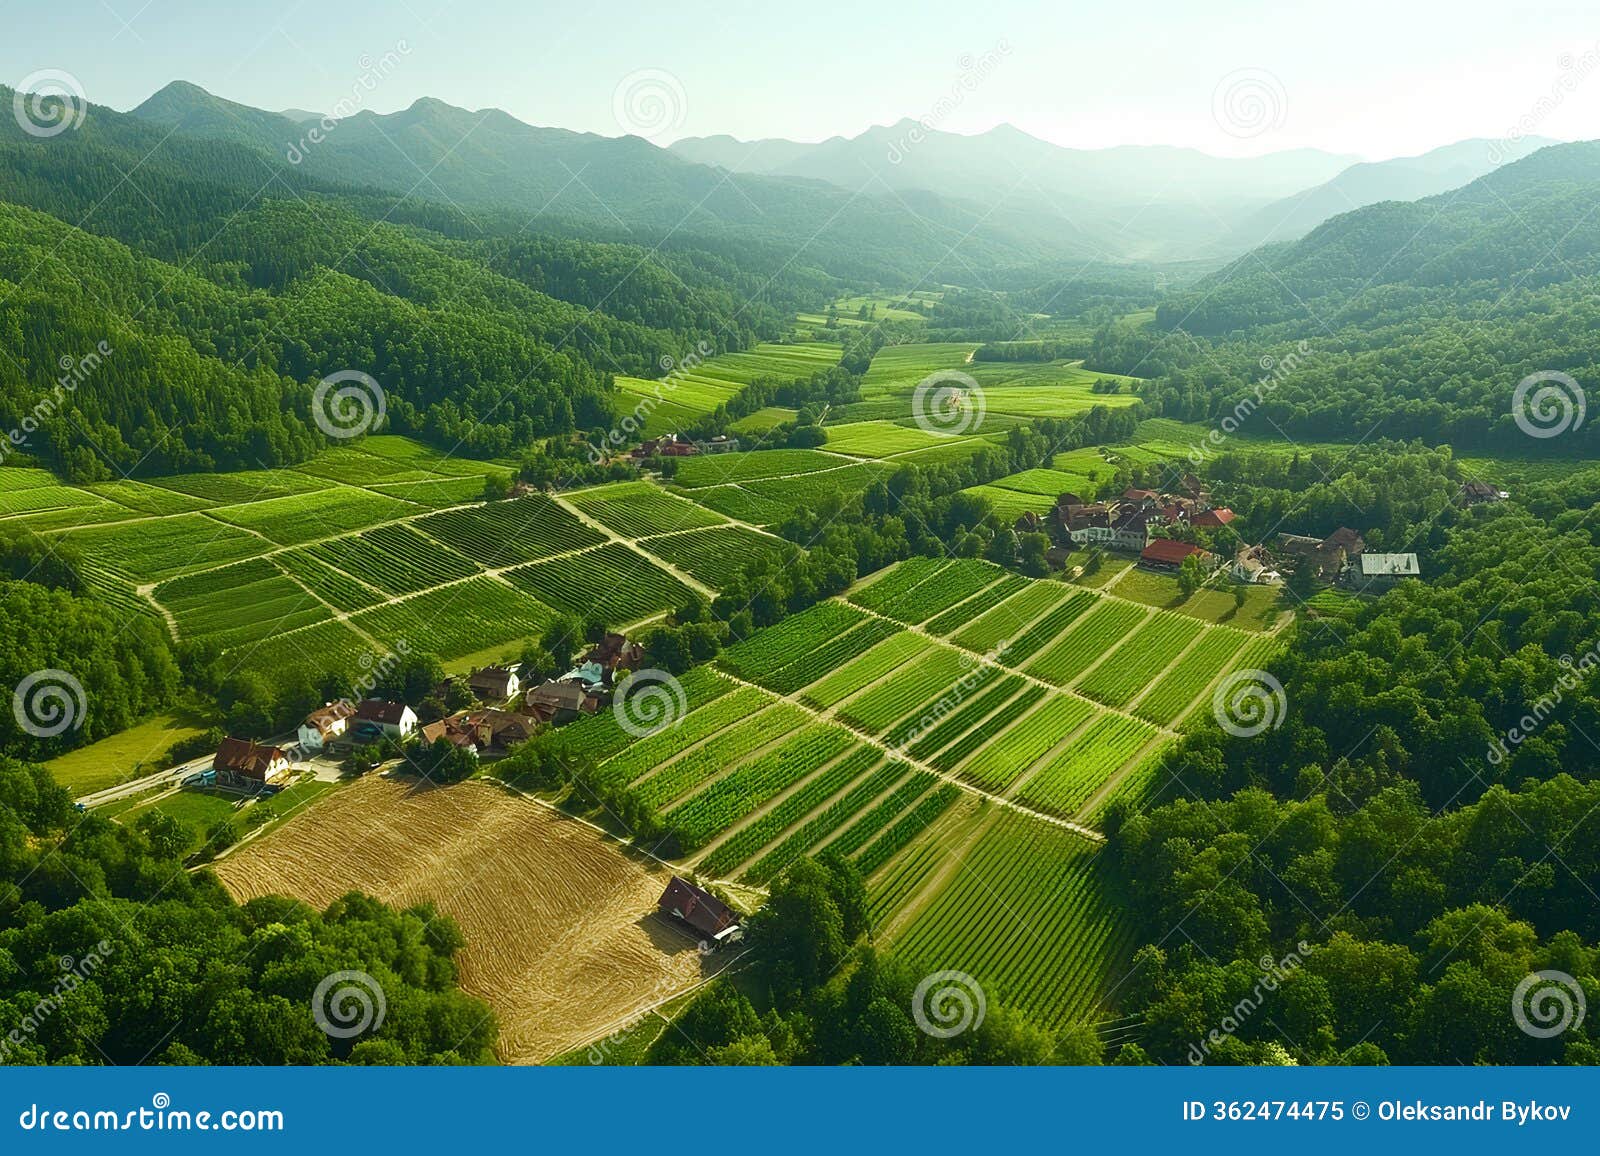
[{"x": 1372, "y": 77}]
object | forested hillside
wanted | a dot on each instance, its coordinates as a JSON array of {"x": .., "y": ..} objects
[{"x": 1417, "y": 319}]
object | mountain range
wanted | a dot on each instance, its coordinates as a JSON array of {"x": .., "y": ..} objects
[{"x": 897, "y": 201}]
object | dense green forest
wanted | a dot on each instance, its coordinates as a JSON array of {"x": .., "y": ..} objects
[{"x": 1424, "y": 814}]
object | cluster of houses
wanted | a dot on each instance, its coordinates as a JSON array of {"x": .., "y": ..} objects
[
  {"x": 677, "y": 446},
  {"x": 1139, "y": 522},
  {"x": 509, "y": 713}
]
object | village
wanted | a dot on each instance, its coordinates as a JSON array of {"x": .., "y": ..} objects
[{"x": 1165, "y": 530}]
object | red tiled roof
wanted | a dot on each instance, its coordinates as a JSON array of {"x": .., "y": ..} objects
[
  {"x": 1169, "y": 550},
  {"x": 1221, "y": 516}
]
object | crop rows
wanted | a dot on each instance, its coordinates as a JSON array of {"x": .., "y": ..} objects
[
  {"x": 333, "y": 586},
  {"x": 822, "y": 824},
  {"x": 1179, "y": 686},
  {"x": 716, "y": 716},
  {"x": 1254, "y": 655},
  {"x": 935, "y": 711},
  {"x": 993, "y": 725},
  {"x": 1081, "y": 646},
  {"x": 897, "y": 651},
  {"x": 963, "y": 613},
  {"x": 503, "y": 534},
  {"x": 394, "y": 558},
  {"x": 457, "y": 620},
  {"x": 897, "y": 581},
  {"x": 875, "y": 709},
  {"x": 738, "y": 502},
  {"x": 639, "y": 509},
  {"x": 1065, "y": 783},
  {"x": 158, "y": 548},
  {"x": 717, "y": 555},
  {"x": 813, "y": 665},
  {"x": 322, "y": 514},
  {"x": 1018, "y": 747},
  {"x": 1010, "y": 618},
  {"x": 966, "y": 716},
  {"x": 238, "y": 604},
  {"x": 1045, "y": 631},
  {"x": 1138, "y": 786},
  {"x": 892, "y": 890},
  {"x": 723, "y": 750},
  {"x": 751, "y": 838},
  {"x": 612, "y": 582},
  {"x": 1135, "y": 664},
  {"x": 745, "y": 467},
  {"x": 957, "y": 581},
  {"x": 768, "y": 651},
  {"x": 1029, "y": 917},
  {"x": 907, "y": 827},
  {"x": 864, "y": 829},
  {"x": 751, "y": 785}
]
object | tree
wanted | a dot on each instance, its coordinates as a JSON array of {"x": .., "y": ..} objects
[
  {"x": 1191, "y": 575},
  {"x": 1035, "y": 549}
]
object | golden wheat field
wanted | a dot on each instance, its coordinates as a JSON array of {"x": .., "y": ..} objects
[{"x": 562, "y": 936}]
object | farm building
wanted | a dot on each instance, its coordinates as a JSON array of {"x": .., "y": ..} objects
[
  {"x": 721, "y": 444},
  {"x": 452, "y": 730},
  {"x": 494, "y": 683},
  {"x": 1214, "y": 519},
  {"x": 1169, "y": 554},
  {"x": 250, "y": 765},
  {"x": 325, "y": 724},
  {"x": 556, "y": 701},
  {"x": 1380, "y": 571},
  {"x": 500, "y": 729},
  {"x": 614, "y": 651},
  {"x": 393, "y": 720},
  {"x": 700, "y": 910},
  {"x": 1476, "y": 493},
  {"x": 1252, "y": 564}
]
